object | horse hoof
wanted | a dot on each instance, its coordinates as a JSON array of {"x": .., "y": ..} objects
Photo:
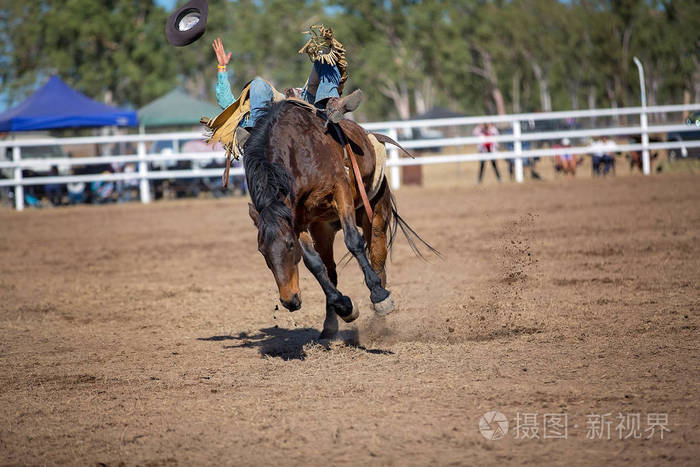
[
  {"x": 384, "y": 307},
  {"x": 328, "y": 336},
  {"x": 352, "y": 316}
]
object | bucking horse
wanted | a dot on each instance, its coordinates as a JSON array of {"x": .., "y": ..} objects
[{"x": 304, "y": 189}]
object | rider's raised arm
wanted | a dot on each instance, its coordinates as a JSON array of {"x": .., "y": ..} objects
[{"x": 224, "y": 96}]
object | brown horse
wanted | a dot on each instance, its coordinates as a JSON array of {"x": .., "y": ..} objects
[{"x": 303, "y": 192}]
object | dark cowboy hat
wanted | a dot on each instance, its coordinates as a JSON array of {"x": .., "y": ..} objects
[{"x": 187, "y": 23}]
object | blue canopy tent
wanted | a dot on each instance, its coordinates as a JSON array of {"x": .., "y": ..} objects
[{"x": 57, "y": 105}]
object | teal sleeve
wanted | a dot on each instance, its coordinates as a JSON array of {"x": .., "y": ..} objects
[{"x": 224, "y": 96}]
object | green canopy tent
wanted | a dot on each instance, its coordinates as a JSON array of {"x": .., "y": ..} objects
[{"x": 176, "y": 109}]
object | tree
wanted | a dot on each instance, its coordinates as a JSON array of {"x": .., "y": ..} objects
[
  {"x": 389, "y": 48},
  {"x": 111, "y": 49},
  {"x": 472, "y": 56},
  {"x": 263, "y": 37}
]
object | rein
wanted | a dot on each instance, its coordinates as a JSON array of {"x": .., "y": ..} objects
[
  {"x": 225, "y": 176},
  {"x": 347, "y": 150}
]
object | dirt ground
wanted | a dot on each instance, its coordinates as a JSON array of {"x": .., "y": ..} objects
[{"x": 149, "y": 334}]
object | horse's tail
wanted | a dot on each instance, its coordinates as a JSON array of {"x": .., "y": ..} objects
[
  {"x": 385, "y": 139},
  {"x": 398, "y": 223}
]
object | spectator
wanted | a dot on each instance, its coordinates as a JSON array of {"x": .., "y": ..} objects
[
  {"x": 565, "y": 161},
  {"x": 127, "y": 186},
  {"x": 527, "y": 161},
  {"x": 76, "y": 191},
  {"x": 483, "y": 131},
  {"x": 54, "y": 191},
  {"x": 103, "y": 190},
  {"x": 603, "y": 156}
]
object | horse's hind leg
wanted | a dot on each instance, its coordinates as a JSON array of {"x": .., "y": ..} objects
[
  {"x": 381, "y": 300},
  {"x": 376, "y": 233},
  {"x": 337, "y": 304}
]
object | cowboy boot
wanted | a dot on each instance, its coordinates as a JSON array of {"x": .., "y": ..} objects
[{"x": 337, "y": 107}]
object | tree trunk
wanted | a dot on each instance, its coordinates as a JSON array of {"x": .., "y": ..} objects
[
  {"x": 619, "y": 93},
  {"x": 109, "y": 97},
  {"x": 493, "y": 80},
  {"x": 424, "y": 95},
  {"x": 106, "y": 148},
  {"x": 419, "y": 100},
  {"x": 543, "y": 82},
  {"x": 696, "y": 80},
  {"x": 545, "y": 95},
  {"x": 488, "y": 72},
  {"x": 527, "y": 95},
  {"x": 609, "y": 88},
  {"x": 398, "y": 93},
  {"x": 591, "y": 102},
  {"x": 516, "y": 91},
  {"x": 573, "y": 96},
  {"x": 498, "y": 100},
  {"x": 574, "y": 86},
  {"x": 624, "y": 65},
  {"x": 652, "y": 92}
]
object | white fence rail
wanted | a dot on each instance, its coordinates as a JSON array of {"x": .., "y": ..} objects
[{"x": 16, "y": 164}]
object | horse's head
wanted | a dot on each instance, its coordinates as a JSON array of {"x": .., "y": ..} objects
[{"x": 280, "y": 247}]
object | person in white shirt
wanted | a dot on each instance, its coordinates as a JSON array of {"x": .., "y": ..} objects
[
  {"x": 604, "y": 152},
  {"x": 483, "y": 131}
]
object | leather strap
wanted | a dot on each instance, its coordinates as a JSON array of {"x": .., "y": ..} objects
[
  {"x": 225, "y": 177},
  {"x": 358, "y": 178},
  {"x": 347, "y": 149}
]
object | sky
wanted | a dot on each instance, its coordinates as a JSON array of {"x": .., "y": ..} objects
[{"x": 167, "y": 4}]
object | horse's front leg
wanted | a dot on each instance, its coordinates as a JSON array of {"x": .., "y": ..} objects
[
  {"x": 336, "y": 302},
  {"x": 381, "y": 300}
]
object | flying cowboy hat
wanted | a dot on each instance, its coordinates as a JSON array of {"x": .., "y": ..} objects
[{"x": 187, "y": 23}]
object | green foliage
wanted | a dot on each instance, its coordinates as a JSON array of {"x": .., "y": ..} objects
[
  {"x": 472, "y": 56},
  {"x": 111, "y": 49},
  {"x": 532, "y": 54},
  {"x": 263, "y": 36}
]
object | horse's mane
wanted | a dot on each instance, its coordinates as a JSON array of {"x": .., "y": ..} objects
[{"x": 268, "y": 182}]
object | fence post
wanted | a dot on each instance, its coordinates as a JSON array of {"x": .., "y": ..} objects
[
  {"x": 646, "y": 162},
  {"x": 19, "y": 188},
  {"x": 144, "y": 186},
  {"x": 518, "y": 152},
  {"x": 394, "y": 156}
]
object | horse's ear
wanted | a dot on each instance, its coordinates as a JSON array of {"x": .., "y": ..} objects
[{"x": 253, "y": 213}]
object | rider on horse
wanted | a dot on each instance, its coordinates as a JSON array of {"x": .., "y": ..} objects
[{"x": 323, "y": 88}]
